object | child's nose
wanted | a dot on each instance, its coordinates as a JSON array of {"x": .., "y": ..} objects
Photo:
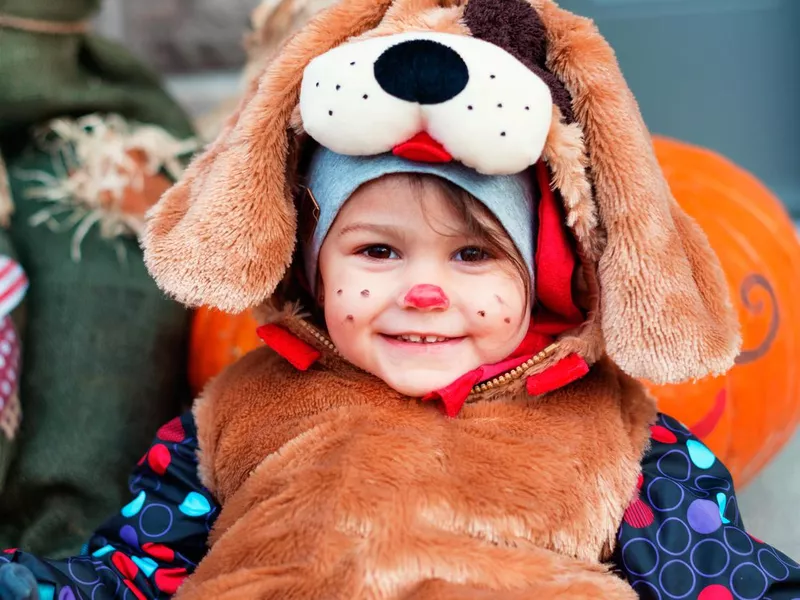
[{"x": 426, "y": 297}]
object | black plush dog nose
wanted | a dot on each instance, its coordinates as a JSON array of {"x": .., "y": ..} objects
[{"x": 422, "y": 71}]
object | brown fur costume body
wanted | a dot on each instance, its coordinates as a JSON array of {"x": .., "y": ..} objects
[{"x": 334, "y": 486}]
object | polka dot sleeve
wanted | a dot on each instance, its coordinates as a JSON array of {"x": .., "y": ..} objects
[
  {"x": 153, "y": 543},
  {"x": 683, "y": 536}
]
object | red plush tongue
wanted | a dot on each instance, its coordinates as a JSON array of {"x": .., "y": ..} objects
[{"x": 422, "y": 148}]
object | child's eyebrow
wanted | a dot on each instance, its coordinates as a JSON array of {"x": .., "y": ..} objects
[{"x": 385, "y": 230}]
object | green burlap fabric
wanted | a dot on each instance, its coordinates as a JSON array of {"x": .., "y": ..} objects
[
  {"x": 105, "y": 352},
  {"x": 45, "y": 76}
]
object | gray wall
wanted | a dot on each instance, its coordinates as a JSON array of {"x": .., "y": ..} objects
[{"x": 724, "y": 74}]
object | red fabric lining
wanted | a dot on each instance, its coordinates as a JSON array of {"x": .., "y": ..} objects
[
  {"x": 555, "y": 264},
  {"x": 570, "y": 369}
]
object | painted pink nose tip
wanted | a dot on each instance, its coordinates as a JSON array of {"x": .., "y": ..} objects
[{"x": 427, "y": 296}]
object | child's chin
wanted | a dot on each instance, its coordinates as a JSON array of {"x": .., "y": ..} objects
[{"x": 418, "y": 383}]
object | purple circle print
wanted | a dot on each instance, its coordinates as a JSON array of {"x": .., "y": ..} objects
[
  {"x": 677, "y": 579},
  {"x": 640, "y": 557},
  {"x": 664, "y": 495},
  {"x": 748, "y": 582},
  {"x": 673, "y": 536},
  {"x": 704, "y": 517},
  {"x": 710, "y": 558},
  {"x": 160, "y": 517}
]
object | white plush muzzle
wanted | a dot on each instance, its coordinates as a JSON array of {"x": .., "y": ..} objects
[{"x": 496, "y": 120}]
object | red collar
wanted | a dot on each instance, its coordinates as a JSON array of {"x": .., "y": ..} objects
[{"x": 452, "y": 397}]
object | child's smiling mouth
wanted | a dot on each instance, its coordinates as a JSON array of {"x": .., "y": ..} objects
[{"x": 419, "y": 339}]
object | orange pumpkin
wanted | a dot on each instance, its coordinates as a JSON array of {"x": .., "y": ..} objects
[
  {"x": 218, "y": 340},
  {"x": 748, "y": 415}
]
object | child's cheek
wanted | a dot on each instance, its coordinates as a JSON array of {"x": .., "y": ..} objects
[
  {"x": 348, "y": 300},
  {"x": 498, "y": 310}
]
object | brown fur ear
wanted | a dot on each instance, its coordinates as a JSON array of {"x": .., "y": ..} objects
[
  {"x": 224, "y": 235},
  {"x": 665, "y": 308}
]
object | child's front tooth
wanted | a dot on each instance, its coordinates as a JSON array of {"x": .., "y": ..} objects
[
  {"x": 414, "y": 338},
  {"x": 431, "y": 339}
]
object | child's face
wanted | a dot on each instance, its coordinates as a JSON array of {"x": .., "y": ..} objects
[{"x": 398, "y": 267}]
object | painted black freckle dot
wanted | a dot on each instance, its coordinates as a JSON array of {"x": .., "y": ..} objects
[
  {"x": 352, "y": 63},
  {"x": 527, "y": 108},
  {"x": 469, "y": 107},
  {"x": 365, "y": 293},
  {"x": 492, "y": 76},
  {"x": 482, "y": 313},
  {"x": 338, "y": 87},
  {"x": 366, "y": 96},
  {"x": 330, "y": 113},
  {"x": 502, "y": 134},
  {"x": 500, "y": 105},
  {"x": 318, "y": 84}
]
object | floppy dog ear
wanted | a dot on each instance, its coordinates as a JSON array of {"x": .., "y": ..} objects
[
  {"x": 224, "y": 235},
  {"x": 665, "y": 308}
]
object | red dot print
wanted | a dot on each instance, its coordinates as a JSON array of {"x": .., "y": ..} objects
[
  {"x": 125, "y": 565},
  {"x": 136, "y": 592},
  {"x": 10, "y": 551},
  {"x": 159, "y": 551},
  {"x": 639, "y": 482},
  {"x": 662, "y": 434},
  {"x": 172, "y": 431},
  {"x": 639, "y": 515},
  {"x": 169, "y": 580},
  {"x": 715, "y": 592},
  {"x": 158, "y": 458}
]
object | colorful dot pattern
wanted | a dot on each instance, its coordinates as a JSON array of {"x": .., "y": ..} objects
[
  {"x": 155, "y": 541},
  {"x": 682, "y": 537}
]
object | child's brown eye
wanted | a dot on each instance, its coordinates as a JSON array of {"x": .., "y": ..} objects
[
  {"x": 472, "y": 254},
  {"x": 379, "y": 252}
]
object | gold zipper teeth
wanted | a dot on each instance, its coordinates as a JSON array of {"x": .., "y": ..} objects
[
  {"x": 514, "y": 373},
  {"x": 319, "y": 336}
]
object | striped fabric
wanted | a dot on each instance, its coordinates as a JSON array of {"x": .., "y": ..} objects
[{"x": 13, "y": 285}]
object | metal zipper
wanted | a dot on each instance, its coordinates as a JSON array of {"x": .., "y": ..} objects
[
  {"x": 319, "y": 336},
  {"x": 514, "y": 374}
]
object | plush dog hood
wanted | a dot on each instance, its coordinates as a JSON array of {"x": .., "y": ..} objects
[{"x": 502, "y": 86}]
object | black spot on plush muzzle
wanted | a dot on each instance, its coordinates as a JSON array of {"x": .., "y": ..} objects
[{"x": 421, "y": 71}]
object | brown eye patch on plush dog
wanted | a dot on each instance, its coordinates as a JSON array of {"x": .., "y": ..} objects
[{"x": 515, "y": 26}]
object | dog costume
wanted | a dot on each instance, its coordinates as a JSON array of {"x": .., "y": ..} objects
[{"x": 549, "y": 475}]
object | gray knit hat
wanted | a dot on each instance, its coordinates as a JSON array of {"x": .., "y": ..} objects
[{"x": 333, "y": 178}]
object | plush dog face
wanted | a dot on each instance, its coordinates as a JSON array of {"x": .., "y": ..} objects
[
  {"x": 498, "y": 85},
  {"x": 480, "y": 105}
]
